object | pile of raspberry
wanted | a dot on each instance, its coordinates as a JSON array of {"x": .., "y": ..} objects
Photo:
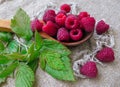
[{"x": 65, "y": 26}]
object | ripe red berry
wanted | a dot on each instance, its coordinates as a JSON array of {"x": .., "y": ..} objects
[
  {"x": 36, "y": 25},
  {"x": 105, "y": 55},
  {"x": 63, "y": 35},
  {"x": 71, "y": 22},
  {"x": 49, "y": 15},
  {"x": 62, "y": 11},
  {"x": 50, "y": 28},
  {"x": 65, "y": 7},
  {"x": 101, "y": 27},
  {"x": 88, "y": 23},
  {"x": 89, "y": 69},
  {"x": 60, "y": 19},
  {"x": 82, "y": 15},
  {"x": 76, "y": 34}
]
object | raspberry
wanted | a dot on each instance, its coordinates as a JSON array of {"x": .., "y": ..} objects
[
  {"x": 49, "y": 15},
  {"x": 88, "y": 23},
  {"x": 71, "y": 22},
  {"x": 62, "y": 11},
  {"x": 63, "y": 35},
  {"x": 89, "y": 69},
  {"x": 76, "y": 34},
  {"x": 60, "y": 19},
  {"x": 50, "y": 28},
  {"x": 65, "y": 7},
  {"x": 101, "y": 27},
  {"x": 82, "y": 15},
  {"x": 36, "y": 25},
  {"x": 105, "y": 55}
]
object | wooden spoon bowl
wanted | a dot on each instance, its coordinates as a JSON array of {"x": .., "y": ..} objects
[{"x": 5, "y": 26}]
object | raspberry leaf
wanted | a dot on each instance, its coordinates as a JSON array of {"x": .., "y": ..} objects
[
  {"x": 5, "y": 37},
  {"x": 38, "y": 41},
  {"x": 20, "y": 24},
  {"x": 34, "y": 64},
  {"x": 3, "y": 59},
  {"x": 7, "y": 71},
  {"x": 54, "y": 60},
  {"x": 24, "y": 76},
  {"x": 2, "y": 47},
  {"x": 56, "y": 46}
]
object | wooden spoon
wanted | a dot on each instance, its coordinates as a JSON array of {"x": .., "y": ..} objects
[{"x": 5, "y": 26}]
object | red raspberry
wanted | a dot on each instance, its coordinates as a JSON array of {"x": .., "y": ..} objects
[
  {"x": 62, "y": 11},
  {"x": 76, "y": 34},
  {"x": 88, "y": 23},
  {"x": 36, "y": 25},
  {"x": 50, "y": 28},
  {"x": 82, "y": 15},
  {"x": 60, "y": 19},
  {"x": 71, "y": 22},
  {"x": 105, "y": 55},
  {"x": 63, "y": 35},
  {"x": 65, "y": 7},
  {"x": 49, "y": 15},
  {"x": 101, "y": 27},
  {"x": 89, "y": 69}
]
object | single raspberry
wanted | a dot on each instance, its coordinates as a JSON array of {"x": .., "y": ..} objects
[
  {"x": 50, "y": 28},
  {"x": 63, "y": 35},
  {"x": 71, "y": 22},
  {"x": 76, "y": 34},
  {"x": 82, "y": 15},
  {"x": 105, "y": 55},
  {"x": 65, "y": 7},
  {"x": 101, "y": 27},
  {"x": 49, "y": 15},
  {"x": 60, "y": 19},
  {"x": 62, "y": 11},
  {"x": 89, "y": 69},
  {"x": 36, "y": 25},
  {"x": 88, "y": 23}
]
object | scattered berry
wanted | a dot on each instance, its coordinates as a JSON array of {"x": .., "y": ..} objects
[
  {"x": 63, "y": 35},
  {"x": 65, "y": 7},
  {"x": 49, "y": 15},
  {"x": 82, "y": 15},
  {"x": 76, "y": 34},
  {"x": 105, "y": 55},
  {"x": 60, "y": 19},
  {"x": 50, "y": 28},
  {"x": 101, "y": 27},
  {"x": 89, "y": 69},
  {"x": 36, "y": 25},
  {"x": 71, "y": 22},
  {"x": 62, "y": 11},
  {"x": 88, "y": 23}
]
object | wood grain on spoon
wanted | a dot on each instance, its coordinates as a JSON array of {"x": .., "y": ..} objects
[{"x": 5, "y": 26}]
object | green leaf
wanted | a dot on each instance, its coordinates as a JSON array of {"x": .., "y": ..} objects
[
  {"x": 6, "y": 72},
  {"x": 54, "y": 60},
  {"x": 13, "y": 46},
  {"x": 34, "y": 64},
  {"x": 56, "y": 46},
  {"x": 1, "y": 46},
  {"x": 38, "y": 41},
  {"x": 3, "y": 59},
  {"x": 66, "y": 74},
  {"x": 17, "y": 56},
  {"x": 20, "y": 24},
  {"x": 32, "y": 52},
  {"x": 24, "y": 76},
  {"x": 6, "y": 37}
]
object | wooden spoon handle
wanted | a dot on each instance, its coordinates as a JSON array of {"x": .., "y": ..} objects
[{"x": 5, "y": 26}]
